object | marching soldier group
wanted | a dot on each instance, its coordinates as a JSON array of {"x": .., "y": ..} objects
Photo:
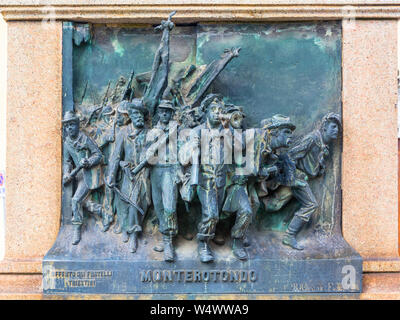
[
  {"x": 122, "y": 165},
  {"x": 137, "y": 166}
]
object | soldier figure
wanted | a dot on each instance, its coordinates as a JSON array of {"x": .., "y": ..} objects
[
  {"x": 237, "y": 194},
  {"x": 104, "y": 136},
  {"x": 211, "y": 176},
  {"x": 309, "y": 155},
  {"x": 272, "y": 173},
  {"x": 277, "y": 134},
  {"x": 81, "y": 152},
  {"x": 122, "y": 119},
  {"x": 135, "y": 190},
  {"x": 165, "y": 178}
]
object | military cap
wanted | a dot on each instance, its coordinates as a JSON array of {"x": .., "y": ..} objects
[
  {"x": 107, "y": 111},
  {"x": 166, "y": 104},
  {"x": 277, "y": 121},
  {"x": 123, "y": 107},
  {"x": 137, "y": 104},
  {"x": 231, "y": 108},
  {"x": 209, "y": 99},
  {"x": 70, "y": 116},
  {"x": 332, "y": 116}
]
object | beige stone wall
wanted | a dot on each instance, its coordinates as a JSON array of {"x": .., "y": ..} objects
[
  {"x": 3, "y": 102},
  {"x": 369, "y": 178},
  {"x": 369, "y": 97},
  {"x": 33, "y": 155}
]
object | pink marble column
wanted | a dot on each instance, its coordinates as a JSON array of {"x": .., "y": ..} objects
[
  {"x": 33, "y": 159},
  {"x": 370, "y": 216}
]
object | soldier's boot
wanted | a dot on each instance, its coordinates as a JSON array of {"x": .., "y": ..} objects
[
  {"x": 246, "y": 241},
  {"x": 125, "y": 236},
  {"x": 205, "y": 252},
  {"x": 117, "y": 227},
  {"x": 292, "y": 230},
  {"x": 169, "y": 251},
  {"x": 159, "y": 247},
  {"x": 107, "y": 219},
  {"x": 220, "y": 231},
  {"x": 76, "y": 237},
  {"x": 133, "y": 242},
  {"x": 238, "y": 249}
]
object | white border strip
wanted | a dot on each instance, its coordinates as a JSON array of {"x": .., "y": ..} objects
[{"x": 3, "y": 99}]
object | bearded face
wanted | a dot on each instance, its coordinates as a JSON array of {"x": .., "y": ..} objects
[{"x": 137, "y": 118}]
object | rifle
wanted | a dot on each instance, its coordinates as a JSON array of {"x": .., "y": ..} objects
[
  {"x": 73, "y": 174},
  {"x": 84, "y": 91},
  {"x": 126, "y": 167},
  {"x": 113, "y": 127},
  {"x": 126, "y": 199},
  {"x": 128, "y": 91},
  {"x": 155, "y": 147},
  {"x": 105, "y": 99}
]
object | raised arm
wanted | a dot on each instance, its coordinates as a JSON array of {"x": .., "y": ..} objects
[{"x": 159, "y": 76}]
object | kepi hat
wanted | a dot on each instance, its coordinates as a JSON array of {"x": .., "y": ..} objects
[
  {"x": 166, "y": 104},
  {"x": 137, "y": 104},
  {"x": 230, "y": 108},
  {"x": 123, "y": 107},
  {"x": 277, "y": 121},
  {"x": 70, "y": 116},
  {"x": 107, "y": 111}
]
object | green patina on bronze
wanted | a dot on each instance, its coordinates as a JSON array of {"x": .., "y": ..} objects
[
  {"x": 134, "y": 89},
  {"x": 297, "y": 72}
]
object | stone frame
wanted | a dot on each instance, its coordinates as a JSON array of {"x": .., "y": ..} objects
[{"x": 369, "y": 110}]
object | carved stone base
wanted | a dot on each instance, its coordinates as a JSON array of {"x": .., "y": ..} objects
[{"x": 107, "y": 267}]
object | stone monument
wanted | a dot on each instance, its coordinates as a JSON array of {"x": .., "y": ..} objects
[{"x": 210, "y": 164}]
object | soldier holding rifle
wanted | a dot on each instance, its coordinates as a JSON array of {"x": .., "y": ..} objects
[
  {"x": 135, "y": 189},
  {"x": 165, "y": 173},
  {"x": 81, "y": 152}
]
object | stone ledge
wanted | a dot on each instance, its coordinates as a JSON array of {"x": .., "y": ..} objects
[
  {"x": 33, "y": 266},
  {"x": 381, "y": 265},
  {"x": 196, "y": 2},
  {"x": 21, "y": 287},
  {"x": 376, "y": 286},
  {"x": 196, "y": 11}
]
